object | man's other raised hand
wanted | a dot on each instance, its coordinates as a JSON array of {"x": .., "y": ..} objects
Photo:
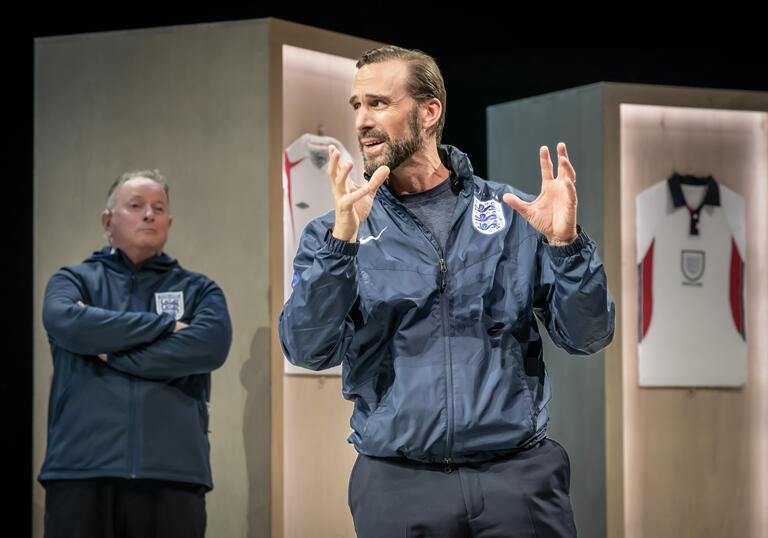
[{"x": 553, "y": 212}]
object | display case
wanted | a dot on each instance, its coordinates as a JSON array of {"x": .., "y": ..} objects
[
  {"x": 213, "y": 106},
  {"x": 668, "y": 428}
]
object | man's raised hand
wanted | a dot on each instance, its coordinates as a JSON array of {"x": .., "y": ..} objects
[
  {"x": 352, "y": 203},
  {"x": 553, "y": 212}
]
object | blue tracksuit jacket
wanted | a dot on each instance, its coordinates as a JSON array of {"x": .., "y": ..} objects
[
  {"x": 143, "y": 414},
  {"x": 441, "y": 353}
]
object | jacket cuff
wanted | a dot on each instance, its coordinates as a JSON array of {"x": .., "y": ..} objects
[
  {"x": 574, "y": 247},
  {"x": 337, "y": 246}
]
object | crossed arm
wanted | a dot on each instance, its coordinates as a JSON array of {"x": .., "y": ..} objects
[
  {"x": 143, "y": 344},
  {"x": 92, "y": 330}
]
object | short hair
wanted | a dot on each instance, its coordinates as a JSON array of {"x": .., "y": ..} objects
[
  {"x": 154, "y": 175},
  {"x": 424, "y": 78}
]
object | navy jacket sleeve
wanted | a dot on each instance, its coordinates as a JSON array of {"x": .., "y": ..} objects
[
  {"x": 316, "y": 325},
  {"x": 572, "y": 297},
  {"x": 199, "y": 348},
  {"x": 91, "y": 330}
]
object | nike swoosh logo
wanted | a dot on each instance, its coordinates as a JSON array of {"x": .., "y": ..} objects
[{"x": 364, "y": 240}]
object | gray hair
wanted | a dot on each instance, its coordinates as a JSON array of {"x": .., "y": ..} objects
[
  {"x": 154, "y": 175},
  {"x": 424, "y": 82}
]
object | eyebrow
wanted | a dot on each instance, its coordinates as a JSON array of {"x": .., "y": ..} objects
[
  {"x": 369, "y": 96},
  {"x": 140, "y": 197}
]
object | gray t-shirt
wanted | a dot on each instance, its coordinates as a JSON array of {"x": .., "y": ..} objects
[{"x": 434, "y": 208}]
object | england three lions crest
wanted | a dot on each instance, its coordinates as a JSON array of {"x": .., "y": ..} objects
[
  {"x": 692, "y": 264},
  {"x": 170, "y": 302},
  {"x": 488, "y": 216}
]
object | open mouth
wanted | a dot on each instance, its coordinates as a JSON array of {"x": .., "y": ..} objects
[{"x": 371, "y": 143}]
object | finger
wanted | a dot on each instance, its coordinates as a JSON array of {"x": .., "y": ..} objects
[
  {"x": 344, "y": 171},
  {"x": 354, "y": 196},
  {"x": 562, "y": 150},
  {"x": 333, "y": 164},
  {"x": 379, "y": 176},
  {"x": 342, "y": 176},
  {"x": 565, "y": 169},
  {"x": 546, "y": 164},
  {"x": 80, "y": 303},
  {"x": 515, "y": 203}
]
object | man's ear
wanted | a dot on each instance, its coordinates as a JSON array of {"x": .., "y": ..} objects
[
  {"x": 430, "y": 112},
  {"x": 106, "y": 220}
]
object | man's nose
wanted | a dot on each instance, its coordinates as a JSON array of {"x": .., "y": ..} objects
[
  {"x": 363, "y": 119},
  {"x": 149, "y": 213}
]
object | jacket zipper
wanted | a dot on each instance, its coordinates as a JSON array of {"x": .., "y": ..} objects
[
  {"x": 445, "y": 312},
  {"x": 444, "y": 271},
  {"x": 133, "y": 444}
]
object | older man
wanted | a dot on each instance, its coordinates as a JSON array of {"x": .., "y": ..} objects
[
  {"x": 134, "y": 337},
  {"x": 425, "y": 284}
]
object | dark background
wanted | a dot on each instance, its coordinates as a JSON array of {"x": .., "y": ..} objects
[{"x": 487, "y": 56}]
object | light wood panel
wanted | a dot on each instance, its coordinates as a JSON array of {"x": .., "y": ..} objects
[
  {"x": 692, "y": 458},
  {"x": 678, "y": 462},
  {"x": 311, "y": 459},
  {"x": 191, "y": 101},
  {"x": 614, "y": 407},
  {"x": 515, "y": 132},
  {"x": 318, "y": 458}
]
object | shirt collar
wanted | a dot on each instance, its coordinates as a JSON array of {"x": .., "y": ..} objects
[{"x": 712, "y": 197}]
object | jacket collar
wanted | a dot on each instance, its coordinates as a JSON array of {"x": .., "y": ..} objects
[
  {"x": 456, "y": 161},
  {"x": 117, "y": 259}
]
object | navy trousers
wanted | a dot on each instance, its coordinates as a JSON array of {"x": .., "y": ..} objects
[
  {"x": 526, "y": 495},
  {"x": 121, "y": 508}
]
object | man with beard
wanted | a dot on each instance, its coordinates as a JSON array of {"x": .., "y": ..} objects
[{"x": 424, "y": 284}]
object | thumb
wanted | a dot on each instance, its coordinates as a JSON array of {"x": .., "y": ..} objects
[
  {"x": 378, "y": 177},
  {"x": 515, "y": 203}
]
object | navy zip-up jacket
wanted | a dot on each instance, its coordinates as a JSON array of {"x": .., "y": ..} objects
[
  {"x": 440, "y": 351},
  {"x": 143, "y": 413}
]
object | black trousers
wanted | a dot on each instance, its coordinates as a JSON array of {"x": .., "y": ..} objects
[
  {"x": 121, "y": 508},
  {"x": 526, "y": 495}
]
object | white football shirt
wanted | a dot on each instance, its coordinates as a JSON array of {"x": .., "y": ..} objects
[
  {"x": 691, "y": 256},
  {"x": 306, "y": 195}
]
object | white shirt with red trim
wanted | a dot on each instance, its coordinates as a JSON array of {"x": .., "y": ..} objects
[{"x": 691, "y": 257}]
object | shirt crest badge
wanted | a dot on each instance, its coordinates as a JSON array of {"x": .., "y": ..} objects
[
  {"x": 170, "y": 302},
  {"x": 692, "y": 264},
  {"x": 488, "y": 216}
]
